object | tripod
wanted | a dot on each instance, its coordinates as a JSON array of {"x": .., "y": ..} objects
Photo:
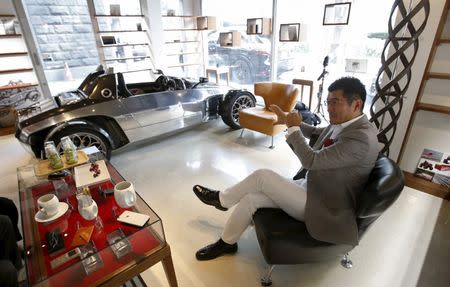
[{"x": 319, "y": 108}]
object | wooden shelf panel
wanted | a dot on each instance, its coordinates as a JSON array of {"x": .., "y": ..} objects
[
  {"x": 433, "y": 108},
  {"x": 184, "y": 53},
  {"x": 184, "y": 29},
  {"x": 14, "y": 54},
  {"x": 5, "y": 88},
  {"x": 444, "y": 41},
  {"x": 426, "y": 186},
  {"x": 121, "y": 45},
  {"x": 121, "y": 31},
  {"x": 119, "y": 16},
  {"x": 443, "y": 76},
  {"x": 181, "y": 42},
  {"x": 128, "y": 58},
  {"x": 179, "y": 16},
  {"x": 11, "y": 36},
  {"x": 15, "y": 71},
  {"x": 183, "y": 65}
]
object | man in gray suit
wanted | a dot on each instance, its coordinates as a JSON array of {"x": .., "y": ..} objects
[{"x": 338, "y": 165}]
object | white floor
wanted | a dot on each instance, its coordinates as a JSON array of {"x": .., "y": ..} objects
[{"x": 391, "y": 254}]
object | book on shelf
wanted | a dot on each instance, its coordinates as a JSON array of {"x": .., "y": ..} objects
[{"x": 434, "y": 166}]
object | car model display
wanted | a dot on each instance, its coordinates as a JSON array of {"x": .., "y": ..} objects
[{"x": 108, "y": 113}]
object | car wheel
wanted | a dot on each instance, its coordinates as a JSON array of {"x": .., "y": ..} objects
[
  {"x": 242, "y": 72},
  {"x": 82, "y": 137},
  {"x": 231, "y": 106}
]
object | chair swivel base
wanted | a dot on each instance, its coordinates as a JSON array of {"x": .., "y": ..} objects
[{"x": 346, "y": 262}]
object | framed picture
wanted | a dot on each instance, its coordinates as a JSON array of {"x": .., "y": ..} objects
[
  {"x": 290, "y": 32},
  {"x": 336, "y": 14},
  {"x": 356, "y": 65}
]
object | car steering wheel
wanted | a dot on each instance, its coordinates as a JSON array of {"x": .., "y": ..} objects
[
  {"x": 171, "y": 85},
  {"x": 161, "y": 81}
]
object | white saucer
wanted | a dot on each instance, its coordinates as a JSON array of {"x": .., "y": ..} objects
[{"x": 42, "y": 217}]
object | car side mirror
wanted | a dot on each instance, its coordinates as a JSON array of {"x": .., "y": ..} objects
[{"x": 203, "y": 80}]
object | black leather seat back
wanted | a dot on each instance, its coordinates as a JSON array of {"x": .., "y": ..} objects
[
  {"x": 122, "y": 87},
  {"x": 384, "y": 186}
]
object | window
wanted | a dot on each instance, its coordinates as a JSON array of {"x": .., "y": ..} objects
[
  {"x": 353, "y": 50},
  {"x": 249, "y": 62}
]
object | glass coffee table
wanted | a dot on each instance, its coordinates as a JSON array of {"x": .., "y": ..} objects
[{"x": 72, "y": 251}]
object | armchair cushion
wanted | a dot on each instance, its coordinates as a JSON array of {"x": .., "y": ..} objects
[
  {"x": 284, "y": 240},
  {"x": 261, "y": 119}
]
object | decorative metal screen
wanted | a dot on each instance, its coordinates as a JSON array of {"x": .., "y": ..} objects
[{"x": 395, "y": 70}]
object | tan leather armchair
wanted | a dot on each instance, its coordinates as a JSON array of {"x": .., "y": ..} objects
[{"x": 261, "y": 119}]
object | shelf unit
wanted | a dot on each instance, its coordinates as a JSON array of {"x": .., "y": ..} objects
[
  {"x": 184, "y": 43},
  {"x": 123, "y": 41},
  {"x": 17, "y": 76},
  {"x": 422, "y": 107}
]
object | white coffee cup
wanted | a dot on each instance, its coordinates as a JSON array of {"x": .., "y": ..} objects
[
  {"x": 49, "y": 204},
  {"x": 125, "y": 194}
]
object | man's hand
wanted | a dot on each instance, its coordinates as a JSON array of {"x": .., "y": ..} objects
[
  {"x": 281, "y": 116},
  {"x": 289, "y": 119},
  {"x": 293, "y": 119}
]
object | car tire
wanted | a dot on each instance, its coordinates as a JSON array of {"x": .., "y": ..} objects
[
  {"x": 234, "y": 102},
  {"x": 84, "y": 136},
  {"x": 242, "y": 71}
]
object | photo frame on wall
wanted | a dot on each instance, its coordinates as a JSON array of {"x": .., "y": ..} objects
[{"x": 337, "y": 13}]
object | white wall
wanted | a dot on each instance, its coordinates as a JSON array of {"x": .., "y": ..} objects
[{"x": 425, "y": 43}]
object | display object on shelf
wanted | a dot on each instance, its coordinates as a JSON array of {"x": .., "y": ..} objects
[
  {"x": 120, "y": 245},
  {"x": 259, "y": 26},
  {"x": 230, "y": 39},
  {"x": 206, "y": 23},
  {"x": 434, "y": 166},
  {"x": 114, "y": 9}
]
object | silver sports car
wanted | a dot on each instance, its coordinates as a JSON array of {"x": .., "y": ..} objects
[{"x": 108, "y": 113}]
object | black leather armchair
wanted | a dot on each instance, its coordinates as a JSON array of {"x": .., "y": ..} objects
[{"x": 284, "y": 240}]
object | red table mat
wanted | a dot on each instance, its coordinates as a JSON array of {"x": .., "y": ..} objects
[{"x": 142, "y": 239}]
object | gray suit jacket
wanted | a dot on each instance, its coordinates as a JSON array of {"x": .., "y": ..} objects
[{"x": 336, "y": 174}]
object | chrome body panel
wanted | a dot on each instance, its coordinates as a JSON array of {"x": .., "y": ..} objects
[{"x": 140, "y": 116}]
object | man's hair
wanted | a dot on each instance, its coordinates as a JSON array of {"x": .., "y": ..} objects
[{"x": 352, "y": 89}]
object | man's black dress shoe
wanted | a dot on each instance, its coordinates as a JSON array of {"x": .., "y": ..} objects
[
  {"x": 215, "y": 250},
  {"x": 208, "y": 196}
]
